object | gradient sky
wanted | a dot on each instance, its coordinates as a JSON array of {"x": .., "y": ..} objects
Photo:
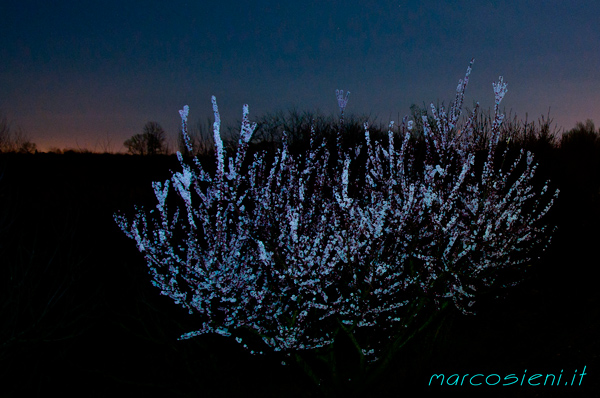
[{"x": 78, "y": 73}]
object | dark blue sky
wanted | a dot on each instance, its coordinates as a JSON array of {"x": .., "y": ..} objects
[{"x": 73, "y": 73}]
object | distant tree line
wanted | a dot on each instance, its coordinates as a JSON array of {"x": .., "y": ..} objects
[{"x": 270, "y": 128}]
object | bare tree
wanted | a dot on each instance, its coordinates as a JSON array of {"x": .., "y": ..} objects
[
  {"x": 155, "y": 138},
  {"x": 136, "y": 145},
  {"x": 14, "y": 140},
  {"x": 151, "y": 142}
]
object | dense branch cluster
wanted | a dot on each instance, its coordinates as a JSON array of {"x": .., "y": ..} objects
[{"x": 298, "y": 248}]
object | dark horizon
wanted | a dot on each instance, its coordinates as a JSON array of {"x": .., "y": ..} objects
[{"x": 78, "y": 75}]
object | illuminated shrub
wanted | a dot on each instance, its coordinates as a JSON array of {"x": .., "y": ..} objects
[{"x": 367, "y": 242}]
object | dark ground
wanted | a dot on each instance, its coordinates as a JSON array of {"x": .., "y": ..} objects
[{"x": 106, "y": 329}]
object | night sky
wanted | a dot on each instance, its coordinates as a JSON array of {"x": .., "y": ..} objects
[{"x": 77, "y": 73}]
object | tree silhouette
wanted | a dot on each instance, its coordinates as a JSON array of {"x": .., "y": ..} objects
[
  {"x": 583, "y": 136},
  {"x": 151, "y": 142}
]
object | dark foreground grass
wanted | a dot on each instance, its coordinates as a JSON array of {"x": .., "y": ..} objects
[{"x": 80, "y": 317}]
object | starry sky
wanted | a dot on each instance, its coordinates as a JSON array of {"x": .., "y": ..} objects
[{"x": 81, "y": 74}]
